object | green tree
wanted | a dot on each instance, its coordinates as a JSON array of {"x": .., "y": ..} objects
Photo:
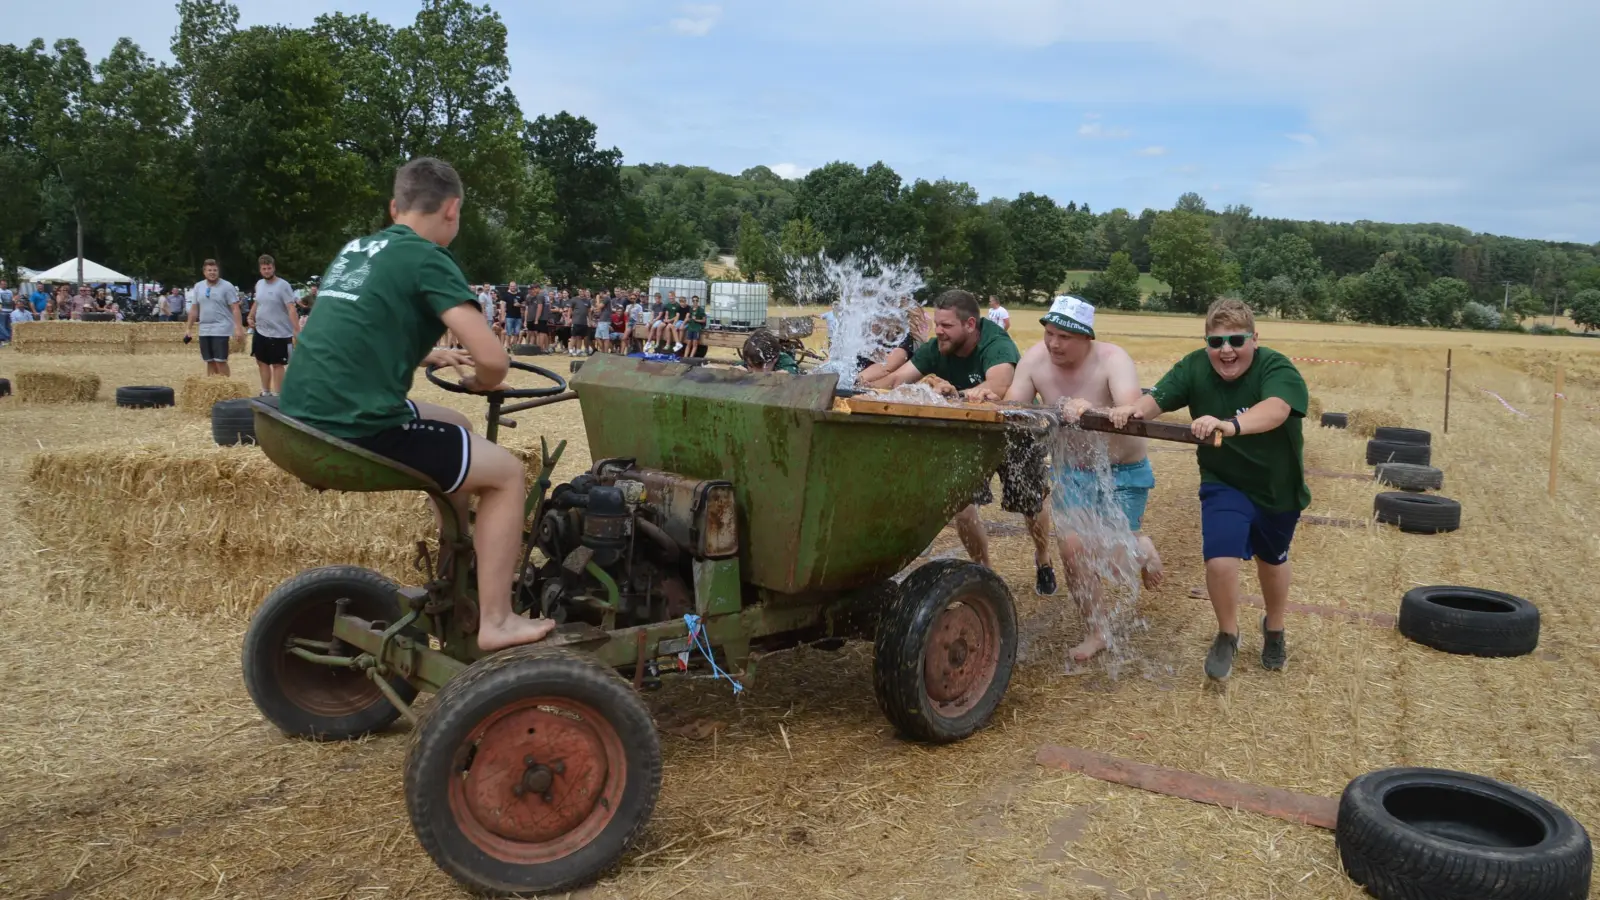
[
  {"x": 1117, "y": 287},
  {"x": 1380, "y": 297},
  {"x": 1042, "y": 246},
  {"x": 941, "y": 212},
  {"x": 1586, "y": 308},
  {"x": 858, "y": 212},
  {"x": 1185, "y": 256},
  {"x": 754, "y": 254},
  {"x": 1287, "y": 254},
  {"x": 991, "y": 268},
  {"x": 588, "y": 204},
  {"x": 1443, "y": 300},
  {"x": 1191, "y": 202}
]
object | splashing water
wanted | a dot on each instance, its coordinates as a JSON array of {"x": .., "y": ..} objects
[{"x": 869, "y": 298}]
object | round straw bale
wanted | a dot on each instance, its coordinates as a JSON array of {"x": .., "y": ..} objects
[
  {"x": 200, "y": 393},
  {"x": 1366, "y": 422},
  {"x": 57, "y": 387}
]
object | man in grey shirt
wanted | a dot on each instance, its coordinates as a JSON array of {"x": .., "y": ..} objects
[
  {"x": 276, "y": 324},
  {"x": 215, "y": 305}
]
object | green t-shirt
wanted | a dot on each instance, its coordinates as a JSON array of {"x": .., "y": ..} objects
[
  {"x": 787, "y": 363},
  {"x": 1268, "y": 467},
  {"x": 377, "y": 316},
  {"x": 995, "y": 347},
  {"x": 697, "y": 317},
  {"x": 674, "y": 311}
]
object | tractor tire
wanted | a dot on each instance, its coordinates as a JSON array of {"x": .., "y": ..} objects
[
  {"x": 1416, "y": 513},
  {"x": 306, "y": 699},
  {"x": 1335, "y": 420},
  {"x": 145, "y": 397},
  {"x": 1408, "y": 477},
  {"x": 5, "y": 387},
  {"x": 1470, "y": 621},
  {"x": 1402, "y": 435},
  {"x": 526, "y": 350},
  {"x": 1418, "y": 834},
  {"x": 233, "y": 422},
  {"x": 534, "y": 770},
  {"x": 1396, "y": 451},
  {"x": 944, "y": 651}
]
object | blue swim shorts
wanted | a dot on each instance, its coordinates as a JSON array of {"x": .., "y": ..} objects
[
  {"x": 1131, "y": 484},
  {"x": 1233, "y": 527}
]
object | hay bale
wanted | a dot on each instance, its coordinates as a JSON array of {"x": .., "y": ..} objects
[
  {"x": 57, "y": 387},
  {"x": 200, "y": 393},
  {"x": 206, "y": 530},
  {"x": 73, "y": 338},
  {"x": 1314, "y": 410},
  {"x": 1366, "y": 422}
]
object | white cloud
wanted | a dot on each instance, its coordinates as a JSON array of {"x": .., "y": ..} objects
[
  {"x": 1098, "y": 131},
  {"x": 697, "y": 19},
  {"x": 788, "y": 170},
  {"x": 1151, "y": 151},
  {"x": 1310, "y": 140}
]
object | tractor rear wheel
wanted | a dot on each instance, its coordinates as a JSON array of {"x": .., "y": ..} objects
[
  {"x": 307, "y": 699},
  {"x": 944, "y": 651},
  {"x": 534, "y": 770}
]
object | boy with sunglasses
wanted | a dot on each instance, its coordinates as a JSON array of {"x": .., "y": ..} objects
[{"x": 1253, "y": 487}]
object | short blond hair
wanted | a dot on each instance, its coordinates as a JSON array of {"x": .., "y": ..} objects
[{"x": 1230, "y": 313}]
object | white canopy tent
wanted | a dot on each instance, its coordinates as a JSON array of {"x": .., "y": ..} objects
[{"x": 93, "y": 273}]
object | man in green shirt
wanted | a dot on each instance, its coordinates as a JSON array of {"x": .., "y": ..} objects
[
  {"x": 385, "y": 301},
  {"x": 1253, "y": 487},
  {"x": 696, "y": 324},
  {"x": 975, "y": 359}
]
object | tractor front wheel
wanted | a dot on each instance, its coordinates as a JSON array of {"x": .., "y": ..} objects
[
  {"x": 307, "y": 699},
  {"x": 944, "y": 651},
  {"x": 532, "y": 771}
]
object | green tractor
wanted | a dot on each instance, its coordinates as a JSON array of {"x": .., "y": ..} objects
[{"x": 728, "y": 515}]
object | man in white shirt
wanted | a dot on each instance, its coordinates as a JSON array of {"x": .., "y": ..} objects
[
  {"x": 276, "y": 322},
  {"x": 998, "y": 314},
  {"x": 214, "y": 304}
]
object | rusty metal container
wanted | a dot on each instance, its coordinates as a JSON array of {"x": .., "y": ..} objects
[{"x": 827, "y": 500}]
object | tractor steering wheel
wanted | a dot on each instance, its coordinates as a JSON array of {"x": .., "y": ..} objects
[{"x": 559, "y": 387}]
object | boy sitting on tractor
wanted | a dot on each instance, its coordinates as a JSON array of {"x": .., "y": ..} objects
[{"x": 386, "y": 300}]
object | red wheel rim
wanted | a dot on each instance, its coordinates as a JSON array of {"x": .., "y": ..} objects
[
  {"x": 538, "y": 780},
  {"x": 329, "y": 691},
  {"x": 962, "y": 656}
]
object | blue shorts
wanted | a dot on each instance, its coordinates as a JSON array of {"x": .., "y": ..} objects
[
  {"x": 513, "y": 326},
  {"x": 1131, "y": 484},
  {"x": 1233, "y": 527}
]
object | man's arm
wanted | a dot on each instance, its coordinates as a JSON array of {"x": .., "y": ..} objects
[
  {"x": 193, "y": 316},
  {"x": 996, "y": 382},
  {"x": 1022, "y": 389},
  {"x": 1123, "y": 379},
  {"x": 877, "y": 371},
  {"x": 291, "y": 306},
  {"x": 1143, "y": 408},
  {"x": 903, "y": 375},
  {"x": 489, "y": 360}
]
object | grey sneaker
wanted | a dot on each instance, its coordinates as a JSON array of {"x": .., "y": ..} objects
[
  {"x": 1219, "y": 659},
  {"x": 1274, "y": 651}
]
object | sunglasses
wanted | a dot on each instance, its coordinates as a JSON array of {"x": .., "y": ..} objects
[{"x": 1215, "y": 341}]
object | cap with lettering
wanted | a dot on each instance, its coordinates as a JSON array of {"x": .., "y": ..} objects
[{"x": 1072, "y": 314}]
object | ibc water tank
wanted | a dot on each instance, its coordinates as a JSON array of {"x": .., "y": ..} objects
[{"x": 739, "y": 305}]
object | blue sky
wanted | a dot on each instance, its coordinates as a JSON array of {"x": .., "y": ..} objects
[{"x": 1481, "y": 113}]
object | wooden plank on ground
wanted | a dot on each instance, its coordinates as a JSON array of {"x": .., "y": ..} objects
[
  {"x": 1363, "y": 617},
  {"x": 1290, "y": 806}
]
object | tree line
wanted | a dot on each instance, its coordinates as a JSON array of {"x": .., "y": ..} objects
[{"x": 284, "y": 140}]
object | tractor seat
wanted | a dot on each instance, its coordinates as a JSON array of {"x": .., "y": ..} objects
[{"x": 328, "y": 463}]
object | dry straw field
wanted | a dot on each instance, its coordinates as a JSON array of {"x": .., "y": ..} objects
[{"x": 133, "y": 765}]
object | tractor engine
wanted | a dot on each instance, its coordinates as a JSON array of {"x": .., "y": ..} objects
[{"x": 637, "y": 529}]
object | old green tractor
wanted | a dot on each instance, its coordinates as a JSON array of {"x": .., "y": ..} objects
[{"x": 728, "y": 514}]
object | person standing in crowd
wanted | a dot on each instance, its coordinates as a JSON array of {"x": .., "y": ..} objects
[
  {"x": 636, "y": 318},
  {"x": 307, "y": 300},
  {"x": 276, "y": 326},
  {"x": 511, "y": 298},
  {"x": 695, "y": 324},
  {"x": 215, "y": 306},
  {"x": 619, "y": 327},
  {"x": 581, "y": 306},
  {"x": 5, "y": 295},
  {"x": 21, "y": 311},
  {"x": 172, "y": 305},
  {"x": 998, "y": 314},
  {"x": 602, "y": 324},
  {"x": 40, "y": 300},
  {"x": 1253, "y": 487}
]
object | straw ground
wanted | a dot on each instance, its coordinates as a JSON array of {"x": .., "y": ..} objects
[{"x": 134, "y": 766}]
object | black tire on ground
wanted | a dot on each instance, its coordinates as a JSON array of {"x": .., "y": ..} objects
[
  {"x": 145, "y": 396},
  {"x": 5, "y": 387},
  {"x": 944, "y": 651},
  {"x": 1414, "y": 834},
  {"x": 1402, "y": 435},
  {"x": 575, "y": 365},
  {"x": 1335, "y": 420},
  {"x": 233, "y": 422},
  {"x": 526, "y": 350},
  {"x": 1417, "y": 513},
  {"x": 1395, "y": 451},
  {"x": 534, "y": 770},
  {"x": 1471, "y": 621},
  {"x": 1408, "y": 477},
  {"x": 305, "y": 699}
]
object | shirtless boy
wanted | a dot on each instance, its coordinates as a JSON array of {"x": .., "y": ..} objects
[{"x": 1072, "y": 370}]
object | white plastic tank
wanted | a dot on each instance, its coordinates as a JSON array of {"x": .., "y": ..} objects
[
  {"x": 739, "y": 305},
  {"x": 685, "y": 288}
]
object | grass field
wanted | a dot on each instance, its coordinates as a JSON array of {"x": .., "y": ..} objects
[
  {"x": 134, "y": 765},
  {"x": 1148, "y": 284}
]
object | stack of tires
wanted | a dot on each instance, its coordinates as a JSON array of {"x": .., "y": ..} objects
[{"x": 1401, "y": 459}]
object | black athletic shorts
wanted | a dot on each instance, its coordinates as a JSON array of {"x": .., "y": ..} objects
[
  {"x": 270, "y": 351},
  {"x": 439, "y": 450},
  {"x": 214, "y": 349},
  {"x": 1024, "y": 477},
  {"x": 581, "y": 331},
  {"x": 563, "y": 334}
]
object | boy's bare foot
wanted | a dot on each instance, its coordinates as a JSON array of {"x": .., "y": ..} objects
[
  {"x": 1093, "y": 644},
  {"x": 512, "y": 631},
  {"x": 1151, "y": 572}
]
